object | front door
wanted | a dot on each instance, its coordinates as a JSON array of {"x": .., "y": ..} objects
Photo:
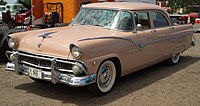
[{"x": 146, "y": 39}]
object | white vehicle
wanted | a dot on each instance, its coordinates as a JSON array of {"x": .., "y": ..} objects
[
  {"x": 2, "y": 9},
  {"x": 13, "y": 8}
]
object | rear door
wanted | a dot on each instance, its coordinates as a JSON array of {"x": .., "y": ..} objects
[{"x": 164, "y": 32}]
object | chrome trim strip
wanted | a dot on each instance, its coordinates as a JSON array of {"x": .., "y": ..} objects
[
  {"x": 138, "y": 45},
  {"x": 63, "y": 70},
  {"x": 34, "y": 56},
  {"x": 162, "y": 38},
  {"x": 73, "y": 63},
  {"x": 50, "y": 57},
  {"x": 48, "y": 68}
]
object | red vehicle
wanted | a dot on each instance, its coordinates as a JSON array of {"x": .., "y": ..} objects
[
  {"x": 197, "y": 25},
  {"x": 19, "y": 18},
  {"x": 197, "y": 21}
]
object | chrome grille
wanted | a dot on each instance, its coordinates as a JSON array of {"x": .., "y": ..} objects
[{"x": 44, "y": 63}]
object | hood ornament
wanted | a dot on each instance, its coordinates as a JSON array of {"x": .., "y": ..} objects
[{"x": 45, "y": 35}]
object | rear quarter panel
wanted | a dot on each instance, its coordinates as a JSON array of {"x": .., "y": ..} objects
[{"x": 184, "y": 35}]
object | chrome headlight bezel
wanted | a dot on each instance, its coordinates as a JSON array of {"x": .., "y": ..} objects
[
  {"x": 75, "y": 51},
  {"x": 12, "y": 43}
]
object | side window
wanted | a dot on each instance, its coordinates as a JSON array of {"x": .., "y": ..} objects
[
  {"x": 159, "y": 20},
  {"x": 143, "y": 19},
  {"x": 125, "y": 21}
]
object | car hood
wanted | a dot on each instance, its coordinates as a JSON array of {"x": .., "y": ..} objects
[{"x": 56, "y": 41}]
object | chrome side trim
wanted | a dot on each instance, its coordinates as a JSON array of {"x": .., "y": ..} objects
[
  {"x": 138, "y": 45},
  {"x": 161, "y": 39}
]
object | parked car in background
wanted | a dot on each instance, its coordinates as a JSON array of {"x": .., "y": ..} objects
[
  {"x": 197, "y": 25},
  {"x": 105, "y": 41},
  {"x": 14, "y": 8},
  {"x": 2, "y": 9},
  {"x": 20, "y": 18},
  {"x": 182, "y": 18}
]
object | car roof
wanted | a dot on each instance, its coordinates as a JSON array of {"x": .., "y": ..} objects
[{"x": 124, "y": 6}]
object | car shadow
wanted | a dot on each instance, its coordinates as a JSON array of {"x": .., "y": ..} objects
[{"x": 124, "y": 86}]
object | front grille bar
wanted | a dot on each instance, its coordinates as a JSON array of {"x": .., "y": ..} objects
[{"x": 78, "y": 63}]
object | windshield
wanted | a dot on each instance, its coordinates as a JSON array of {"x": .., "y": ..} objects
[{"x": 112, "y": 19}]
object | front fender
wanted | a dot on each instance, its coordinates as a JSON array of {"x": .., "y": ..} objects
[{"x": 94, "y": 63}]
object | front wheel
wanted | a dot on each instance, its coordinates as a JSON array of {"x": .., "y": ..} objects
[{"x": 105, "y": 80}]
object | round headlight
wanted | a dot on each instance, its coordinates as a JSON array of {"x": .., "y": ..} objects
[
  {"x": 11, "y": 43},
  {"x": 75, "y": 51}
]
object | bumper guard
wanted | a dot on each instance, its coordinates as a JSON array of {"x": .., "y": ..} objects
[{"x": 54, "y": 76}]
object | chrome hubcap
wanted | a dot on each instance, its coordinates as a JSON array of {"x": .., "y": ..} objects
[{"x": 105, "y": 76}]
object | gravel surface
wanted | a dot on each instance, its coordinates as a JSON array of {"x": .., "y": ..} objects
[{"x": 157, "y": 85}]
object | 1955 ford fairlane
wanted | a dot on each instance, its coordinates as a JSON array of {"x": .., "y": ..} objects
[{"x": 104, "y": 41}]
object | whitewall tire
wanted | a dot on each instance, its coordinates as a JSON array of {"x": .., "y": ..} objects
[{"x": 106, "y": 76}]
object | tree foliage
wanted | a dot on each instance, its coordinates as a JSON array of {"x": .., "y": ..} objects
[
  {"x": 182, "y": 3},
  {"x": 2, "y": 2},
  {"x": 174, "y": 4}
]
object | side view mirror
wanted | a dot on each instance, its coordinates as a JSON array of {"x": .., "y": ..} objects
[{"x": 139, "y": 27}]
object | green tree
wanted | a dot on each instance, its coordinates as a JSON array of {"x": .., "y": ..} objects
[
  {"x": 174, "y": 4},
  {"x": 2, "y": 2}
]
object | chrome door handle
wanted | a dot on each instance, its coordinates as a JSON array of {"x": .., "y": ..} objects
[
  {"x": 153, "y": 31},
  {"x": 172, "y": 28}
]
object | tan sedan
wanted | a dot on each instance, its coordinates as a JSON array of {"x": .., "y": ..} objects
[{"x": 104, "y": 41}]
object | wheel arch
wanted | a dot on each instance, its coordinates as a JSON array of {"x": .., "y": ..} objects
[{"x": 117, "y": 63}]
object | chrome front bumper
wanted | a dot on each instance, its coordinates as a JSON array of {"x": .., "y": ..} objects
[{"x": 54, "y": 75}]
